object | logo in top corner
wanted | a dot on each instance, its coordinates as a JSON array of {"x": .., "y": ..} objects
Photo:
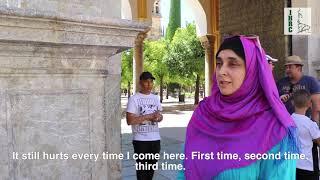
[{"x": 297, "y": 21}]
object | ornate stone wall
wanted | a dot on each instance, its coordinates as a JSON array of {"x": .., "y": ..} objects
[
  {"x": 60, "y": 88},
  {"x": 69, "y": 8}
]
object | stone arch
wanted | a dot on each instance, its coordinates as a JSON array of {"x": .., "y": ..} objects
[
  {"x": 126, "y": 10},
  {"x": 200, "y": 16},
  {"x": 206, "y": 13},
  {"x": 137, "y": 9},
  {"x": 206, "y": 20}
]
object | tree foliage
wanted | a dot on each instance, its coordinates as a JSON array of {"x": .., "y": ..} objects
[
  {"x": 186, "y": 55},
  {"x": 154, "y": 53},
  {"x": 174, "y": 19},
  {"x": 185, "y": 58},
  {"x": 126, "y": 70},
  {"x": 179, "y": 61}
]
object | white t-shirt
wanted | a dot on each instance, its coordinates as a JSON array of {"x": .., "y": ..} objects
[
  {"x": 142, "y": 104},
  {"x": 307, "y": 130}
]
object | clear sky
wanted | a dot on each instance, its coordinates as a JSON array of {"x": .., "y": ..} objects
[{"x": 187, "y": 16}]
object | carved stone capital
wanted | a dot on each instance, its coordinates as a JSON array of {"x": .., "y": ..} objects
[
  {"x": 140, "y": 38},
  {"x": 207, "y": 41}
]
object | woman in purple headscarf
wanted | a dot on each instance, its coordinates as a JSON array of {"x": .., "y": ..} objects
[{"x": 241, "y": 131}]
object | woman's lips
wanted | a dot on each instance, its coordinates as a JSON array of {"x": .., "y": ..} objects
[{"x": 224, "y": 83}]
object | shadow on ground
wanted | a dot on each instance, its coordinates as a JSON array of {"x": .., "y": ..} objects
[{"x": 176, "y": 109}]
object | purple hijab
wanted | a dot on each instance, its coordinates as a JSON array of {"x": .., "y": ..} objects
[{"x": 251, "y": 120}]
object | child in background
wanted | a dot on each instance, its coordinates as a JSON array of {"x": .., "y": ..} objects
[{"x": 308, "y": 132}]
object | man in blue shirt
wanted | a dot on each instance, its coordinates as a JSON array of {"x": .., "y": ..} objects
[{"x": 295, "y": 81}]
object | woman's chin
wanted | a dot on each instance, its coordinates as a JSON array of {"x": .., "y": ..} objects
[{"x": 225, "y": 92}]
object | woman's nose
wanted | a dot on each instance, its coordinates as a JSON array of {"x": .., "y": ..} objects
[{"x": 222, "y": 70}]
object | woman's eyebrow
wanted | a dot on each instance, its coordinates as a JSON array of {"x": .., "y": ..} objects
[
  {"x": 233, "y": 59},
  {"x": 230, "y": 59}
]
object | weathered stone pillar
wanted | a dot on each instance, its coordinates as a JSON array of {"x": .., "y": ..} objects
[
  {"x": 208, "y": 42},
  {"x": 138, "y": 60},
  {"x": 60, "y": 89}
]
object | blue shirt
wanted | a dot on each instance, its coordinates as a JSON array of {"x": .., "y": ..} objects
[{"x": 307, "y": 83}]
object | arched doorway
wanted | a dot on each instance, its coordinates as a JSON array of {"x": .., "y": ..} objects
[
  {"x": 142, "y": 11},
  {"x": 207, "y": 21}
]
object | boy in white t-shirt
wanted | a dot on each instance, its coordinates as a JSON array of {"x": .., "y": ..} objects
[
  {"x": 308, "y": 132},
  {"x": 143, "y": 114}
]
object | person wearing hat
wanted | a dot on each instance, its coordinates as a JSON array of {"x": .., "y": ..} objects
[
  {"x": 271, "y": 61},
  {"x": 295, "y": 81},
  {"x": 143, "y": 114}
]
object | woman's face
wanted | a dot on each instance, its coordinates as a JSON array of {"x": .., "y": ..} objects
[{"x": 230, "y": 72}]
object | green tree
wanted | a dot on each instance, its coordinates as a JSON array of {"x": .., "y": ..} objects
[
  {"x": 126, "y": 70},
  {"x": 154, "y": 52},
  {"x": 186, "y": 57},
  {"x": 174, "y": 19}
]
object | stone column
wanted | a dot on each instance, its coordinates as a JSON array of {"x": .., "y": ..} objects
[
  {"x": 60, "y": 91},
  {"x": 138, "y": 60},
  {"x": 207, "y": 42}
]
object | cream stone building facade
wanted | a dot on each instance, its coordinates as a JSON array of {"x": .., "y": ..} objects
[
  {"x": 307, "y": 47},
  {"x": 155, "y": 32}
]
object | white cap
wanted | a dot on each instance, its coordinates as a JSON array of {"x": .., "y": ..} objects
[{"x": 269, "y": 58}]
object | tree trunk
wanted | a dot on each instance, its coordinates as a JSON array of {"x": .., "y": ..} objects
[
  {"x": 196, "y": 94},
  {"x": 181, "y": 96},
  {"x": 129, "y": 89},
  {"x": 167, "y": 91},
  {"x": 161, "y": 89}
]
